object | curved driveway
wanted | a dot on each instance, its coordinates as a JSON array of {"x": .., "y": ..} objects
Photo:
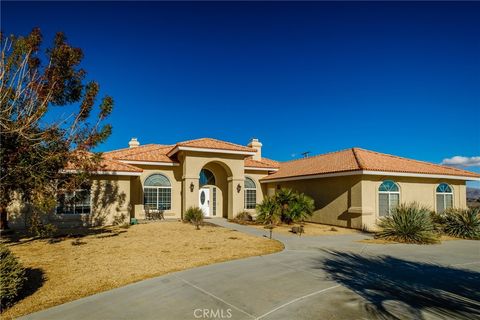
[{"x": 325, "y": 277}]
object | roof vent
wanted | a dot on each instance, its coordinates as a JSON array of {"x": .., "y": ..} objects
[{"x": 133, "y": 143}]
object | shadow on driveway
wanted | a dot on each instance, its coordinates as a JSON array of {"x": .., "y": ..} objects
[{"x": 395, "y": 289}]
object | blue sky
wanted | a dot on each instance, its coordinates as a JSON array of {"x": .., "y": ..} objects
[{"x": 400, "y": 78}]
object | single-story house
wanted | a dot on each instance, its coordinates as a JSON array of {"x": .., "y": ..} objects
[{"x": 351, "y": 188}]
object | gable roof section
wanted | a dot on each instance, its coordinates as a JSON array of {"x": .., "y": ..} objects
[
  {"x": 376, "y": 161},
  {"x": 265, "y": 163},
  {"x": 148, "y": 152},
  {"x": 106, "y": 166},
  {"x": 205, "y": 144},
  {"x": 361, "y": 161},
  {"x": 109, "y": 165}
]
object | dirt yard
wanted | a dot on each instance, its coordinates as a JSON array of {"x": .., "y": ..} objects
[
  {"x": 72, "y": 268},
  {"x": 311, "y": 229}
]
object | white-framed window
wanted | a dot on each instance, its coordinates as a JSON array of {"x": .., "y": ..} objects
[
  {"x": 250, "y": 190},
  {"x": 157, "y": 192},
  {"x": 74, "y": 202},
  {"x": 444, "y": 195},
  {"x": 388, "y": 197}
]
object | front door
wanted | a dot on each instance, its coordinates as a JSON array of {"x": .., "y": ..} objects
[{"x": 204, "y": 201}]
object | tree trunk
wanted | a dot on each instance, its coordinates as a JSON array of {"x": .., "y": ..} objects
[{"x": 3, "y": 218}]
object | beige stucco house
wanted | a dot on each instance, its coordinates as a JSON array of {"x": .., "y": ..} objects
[{"x": 351, "y": 188}]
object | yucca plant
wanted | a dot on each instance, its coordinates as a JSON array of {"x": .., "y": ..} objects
[
  {"x": 409, "y": 223},
  {"x": 194, "y": 215},
  {"x": 462, "y": 223}
]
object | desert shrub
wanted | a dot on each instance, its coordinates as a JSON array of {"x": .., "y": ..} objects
[
  {"x": 194, "y": 215},
  {"x": 243, "y": 216},
  {"x": 12, "y": 276},
  {"x": 39, "y": 229},
  {"x": 462, "y": 223},
  {"x": 408, "y": 223}
]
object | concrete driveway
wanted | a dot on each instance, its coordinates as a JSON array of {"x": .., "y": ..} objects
[{"x": 327, "y": 277}]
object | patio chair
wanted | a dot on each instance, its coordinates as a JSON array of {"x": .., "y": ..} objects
[{"x": 148, "y": 212}]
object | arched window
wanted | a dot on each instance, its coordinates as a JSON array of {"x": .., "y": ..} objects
[
  {"x": 388, "y": 197},
  {"x": 157, "y": 192},
  {"x": 444, "y": 197},
  {"x": 250, "y": 193},
  {"x": 206, "y": 177}
]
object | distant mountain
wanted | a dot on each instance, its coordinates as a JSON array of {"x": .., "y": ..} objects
[{"x": 473, "y": 193}]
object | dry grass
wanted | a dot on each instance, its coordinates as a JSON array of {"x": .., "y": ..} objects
[
  {"x": 100, "y": 262},
  {"x": 311, "y": 229}
]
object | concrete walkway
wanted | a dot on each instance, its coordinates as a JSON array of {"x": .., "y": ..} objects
[{"x": 325, "y": 277}]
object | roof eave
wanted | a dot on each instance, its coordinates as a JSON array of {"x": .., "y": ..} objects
[
  {"x": 109, "y": 173},
  {"x": 370, "y": 172},
  {"x": 210, "y": 150}
]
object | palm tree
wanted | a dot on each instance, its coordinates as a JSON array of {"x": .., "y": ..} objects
[
  {"x": 301, "y": 208},
  {"x": 285, "y": 198},
  {"x": 268, "y": 213}
]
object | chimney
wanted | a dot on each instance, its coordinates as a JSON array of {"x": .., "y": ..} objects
[
  {"x": 133, "y": 143},
  {"x": 255, "y": 144}
]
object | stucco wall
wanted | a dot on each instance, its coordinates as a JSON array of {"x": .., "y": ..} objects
[
  {"x": 174, "y": 175},
  {"x": 256, "y": 175},
  {"x": 233, "y": 167},
  {"x": 421, "y": 190},
  {"x": 337, "y": 200},
  {"x": 110, "y": 203},
  {"x": 352, "y": 201}
]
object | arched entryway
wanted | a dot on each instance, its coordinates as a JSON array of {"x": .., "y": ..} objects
[{"x": 213, "y": 190}]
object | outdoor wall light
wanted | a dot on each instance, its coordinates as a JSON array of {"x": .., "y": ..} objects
[
  {"x": 192, "y": 186},
  {"x": 239, "y": 187}
]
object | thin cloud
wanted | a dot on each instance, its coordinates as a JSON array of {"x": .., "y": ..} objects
[{"x": 459, "y": 161}]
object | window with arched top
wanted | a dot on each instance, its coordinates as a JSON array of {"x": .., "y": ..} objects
[
  {"x": 444, "y": 197},
  {"x": 388, "y": 197},
  {"x": 206, "y": 178},
  {"x": 250, "y": 190},
  {"x": 157, "y": 192}
]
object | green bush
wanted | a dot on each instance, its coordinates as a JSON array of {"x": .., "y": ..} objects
[
  {"x": 462, "y": 223},
  {"x": 194, "y": 215},
  {"x": 301, "y": 208},
  {"x": 408, "y": 223},
  {"x": 244, "y": 216},
  {"x": 268, "y": 213},
  {"x": 12, "y": 276},
  {"x": 38, "y": 229},
  {"x": 294, "y": 206}
]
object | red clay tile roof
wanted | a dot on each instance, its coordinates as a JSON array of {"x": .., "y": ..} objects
[
  {"x": 209, "y": 143},
  {"x": 104, "y": 165},
  {"x": 113, "y": 165},
  {"x": 148, "y": 152},
  {"x": 361, "y": 159},
  {"x": 264, "y": 163}
]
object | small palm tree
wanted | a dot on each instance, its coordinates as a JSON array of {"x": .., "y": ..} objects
[
  {"x": 268, "y": 213},
  {"x": 285, "y": 197},
  {"x": 301, "y": 208}
]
